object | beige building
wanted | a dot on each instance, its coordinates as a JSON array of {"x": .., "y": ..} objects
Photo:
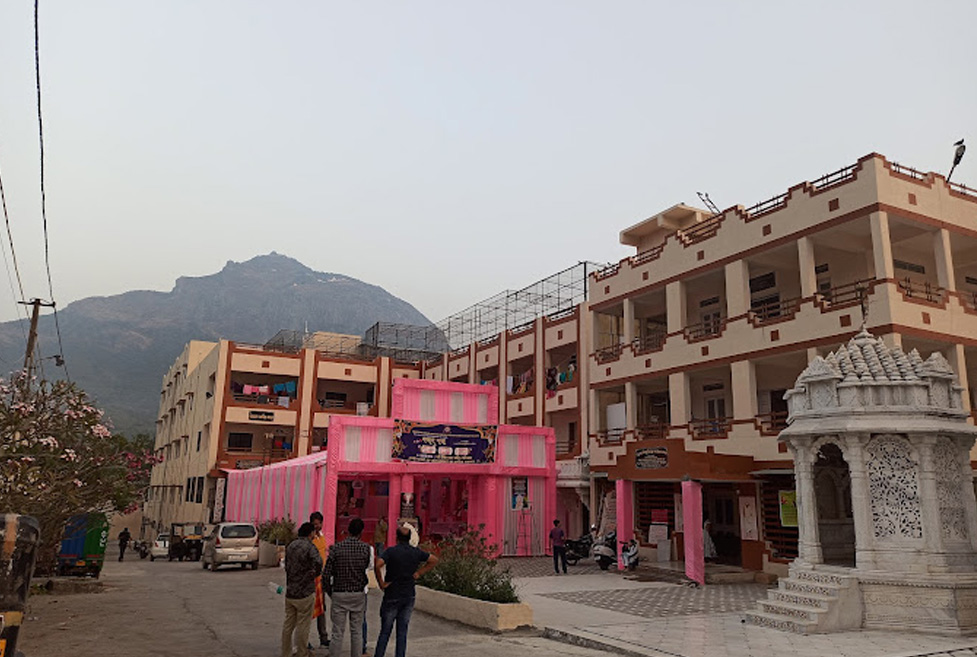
[
  {"x": 701, "y": 331},
  {"x": 228, "y": 406}
]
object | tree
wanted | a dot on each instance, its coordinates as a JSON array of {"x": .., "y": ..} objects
[{"x": 59, "y": 459}]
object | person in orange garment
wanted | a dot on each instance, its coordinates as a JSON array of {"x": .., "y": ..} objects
[{"x": 319, "y": 610}]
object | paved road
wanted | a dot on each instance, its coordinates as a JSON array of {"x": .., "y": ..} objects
[{"x": 157, "y": 609}]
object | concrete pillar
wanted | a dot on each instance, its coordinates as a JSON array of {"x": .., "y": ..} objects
[
  {"x": 679, "y": 398},
  {"x": 812, "y": 353},
  {"x": 957, "y": 358},
  {"x": 881, "y": 245},
  {"x": 631, "y": 405},
  {"x": 675, "y": 306},
  {"x": 539, "y": 362},
  {"x": 627, "y": 331},
  {"x": 861, "y": 501},
  {"x": 809, "y": 541},
  {"x": 737, "y": 288},
  {"x": 806, "y": 264},
  {"x": 306, "y": 392},
  {"x": 943, "y": 254},
  {"x": 893, "y": 340},
  {"x": 743, "y": 375}
]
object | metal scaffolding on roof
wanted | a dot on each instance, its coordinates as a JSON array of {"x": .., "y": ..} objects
[
  {"x": 404, "y": 343},
  {"x": 512, "y": 310}
]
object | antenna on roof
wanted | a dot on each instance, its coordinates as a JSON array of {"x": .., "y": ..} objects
[
  {"x": 708, "y": 202},
  {"x": 957, "y": 156}
]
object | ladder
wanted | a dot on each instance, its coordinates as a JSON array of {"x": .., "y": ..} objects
[{"x": 526, "y": 534}]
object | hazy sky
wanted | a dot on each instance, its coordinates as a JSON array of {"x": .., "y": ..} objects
[{"x": 444, "y": 150}]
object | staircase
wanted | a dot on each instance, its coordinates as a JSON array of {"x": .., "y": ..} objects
[{"x": 812, "y": 600}]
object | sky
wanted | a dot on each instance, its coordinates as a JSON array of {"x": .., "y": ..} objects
[{"x": 445, "y": 151}]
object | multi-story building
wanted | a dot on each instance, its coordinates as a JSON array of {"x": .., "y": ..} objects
[
  {"x": 699, "y": 333},
  {"x": 226, "y": 405}
]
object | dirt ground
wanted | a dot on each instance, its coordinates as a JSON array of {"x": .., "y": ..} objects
[{"x": 156, "y": 609}]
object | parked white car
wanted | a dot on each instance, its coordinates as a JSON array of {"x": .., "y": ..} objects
[
  {"x": 160, "y": 548},
  {"x": 231, "y": 543}
]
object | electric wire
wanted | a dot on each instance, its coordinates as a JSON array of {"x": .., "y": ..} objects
[
  {"x": 40, "y": 138},
  {"x": 13, "y": 255}
]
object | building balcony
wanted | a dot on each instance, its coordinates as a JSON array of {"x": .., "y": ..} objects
[
  {"x": 771, "y": 424},
  {"x": 793, "y": 325},
  {"x": 573, "y": 473},
  {"x": 710, "y": 428},
  {"x": 565, "y": 397},
  {"x": 243, "y": 459}
]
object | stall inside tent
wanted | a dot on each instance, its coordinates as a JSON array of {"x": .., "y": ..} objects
[{"x": 289, "y": 489}]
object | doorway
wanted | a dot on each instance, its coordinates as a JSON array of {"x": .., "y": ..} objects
[
  {"x": 442, "y": 508},
  {"x": 720, "y": 506},
  {"x": 832, "y": 493}
]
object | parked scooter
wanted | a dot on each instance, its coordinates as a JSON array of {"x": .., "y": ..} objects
[
  {"x": 142, "y": 547},
  {"x": 579, "y": 548},
  {"x": 605, "y": 550}
]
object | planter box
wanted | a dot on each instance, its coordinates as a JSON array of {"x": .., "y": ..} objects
[
  {"x": 492, "y": 616},
  {"x": 269, "y": 554}
]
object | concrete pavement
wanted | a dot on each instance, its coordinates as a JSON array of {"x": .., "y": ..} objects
[{"x": 607, "y": 611}]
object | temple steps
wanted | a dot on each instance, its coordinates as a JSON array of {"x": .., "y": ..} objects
[{"x": 810, "y": 601}]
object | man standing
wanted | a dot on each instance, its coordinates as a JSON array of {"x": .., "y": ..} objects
[
  {"x": 404, "y": 567},
  {"x": 558, "y": 541},
  {"x": 124, "y": 537},
  {"x": 380, "y": 535},
  {"x": 319, "y": 608},
  {"x": 302, "y": 565},
  {"x": 344, "y": 580}
]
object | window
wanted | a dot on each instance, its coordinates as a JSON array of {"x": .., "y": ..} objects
[
  {"x": 238, "y": 531},
  {"x": 239, "y": 441},
  {"x": 909, "y": 266},
  {"x": 200, "y": 435},
  {"x": 200, "y": 490},
  {"x": 190, "y": 482},
  {"x": 763, "y": 282}
]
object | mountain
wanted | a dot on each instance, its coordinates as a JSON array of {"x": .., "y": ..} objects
[{"x": 118, "y": 348}]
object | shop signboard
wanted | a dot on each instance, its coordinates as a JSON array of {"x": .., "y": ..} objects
[
  {"x": 443, "y": 443},
  {"x": 261, "y": 416},
  {"x": 651, "y": 458},
  {"x": 787, "y": 500}
]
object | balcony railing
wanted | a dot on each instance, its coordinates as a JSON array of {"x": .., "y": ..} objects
[
  {"x": 969, "y": 299},
  {"x": 771, "y": 204},
  {"x": 608, "y": 354},
  {"x": 647, "y": 256},
  {"x": 707, "y": 329},
  {"x": 610, "y": 437},
  {"x": 653, "y": 431},
  {"x": 909, "y": 172},
  {"x": 701, "y": 231},
  {"x": 717, "y": 427},
  {"x": 257, "y": 457},
  {"x": 963, "y": 189},
  {"x": 849, "y": 293},
  {"x": 771, "y": 424},
  {"x": 835, "y": 178},
  {"x": 264, "y": 400},
  {"x": 924, "y": 291},
  {"x": 651, "y": 342},
  {"x": 774, "y": 310}
]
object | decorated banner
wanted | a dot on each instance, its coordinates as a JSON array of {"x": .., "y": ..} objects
[{"x": 443, "y": 443}]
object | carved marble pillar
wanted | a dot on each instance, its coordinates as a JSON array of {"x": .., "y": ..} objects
[
  {"x": 929, "y": 496},
  {"x": 932, "y": 534},
  {"x": 964, "y": 445},
  {"x": 861, "y": 504},
  {"x": 809, "y": 539}
]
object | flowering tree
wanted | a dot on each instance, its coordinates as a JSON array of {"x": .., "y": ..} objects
[{"x": 58, "y": 459}]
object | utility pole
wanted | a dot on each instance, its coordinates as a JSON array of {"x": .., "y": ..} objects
[{"x": 32, "y": 336}]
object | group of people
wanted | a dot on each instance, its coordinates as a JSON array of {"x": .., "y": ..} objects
[{"x": 315, "y": 573}]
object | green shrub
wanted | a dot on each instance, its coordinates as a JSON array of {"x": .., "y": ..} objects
[
  {"x": 279, "y": 532},
  {"x": 468, "y": 567}
]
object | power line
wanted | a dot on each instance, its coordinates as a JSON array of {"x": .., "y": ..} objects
[
  {"x": 13, "y": 255},
  {"x": 40, "y": 138}
]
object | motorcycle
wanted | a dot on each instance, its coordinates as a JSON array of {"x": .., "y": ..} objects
[
  {"x": 605, "y": 550},
  {"x": 141, "y": 547},
  {"x": 579, "y": 549}
]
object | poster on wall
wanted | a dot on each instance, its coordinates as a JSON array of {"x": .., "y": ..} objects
[
  {"x": 443, "y": 443},
  {"x": 749, "y": 530},
  {"x": 407, "y": 505},
  {"x": 520, "y": 493},
  {"x": 787, "y": 500}
]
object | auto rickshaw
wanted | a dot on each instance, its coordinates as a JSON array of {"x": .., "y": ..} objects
[{"x": 186, "y": 541}]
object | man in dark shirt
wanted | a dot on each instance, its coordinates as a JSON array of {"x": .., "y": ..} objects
[
  {"x": 404, "y": 566},
  {"x": 302, "y": 565},
  {"x": 558, "y": 540},
  {"x": 344, "y": 580}
]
